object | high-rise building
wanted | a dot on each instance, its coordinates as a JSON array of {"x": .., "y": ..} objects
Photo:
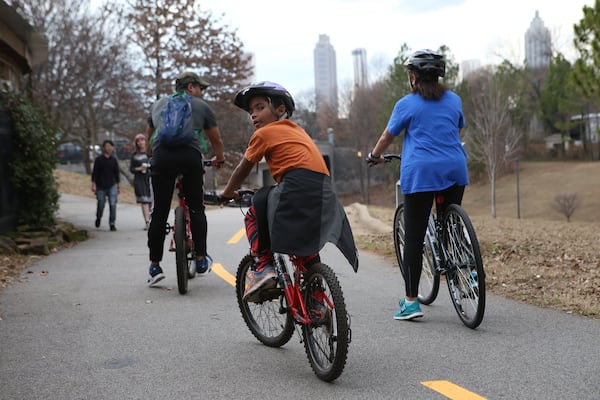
[
  {"x": 326, "y": 89},
  {"x": 538, "y": 44},
  {"x": 359, "y": 62}
]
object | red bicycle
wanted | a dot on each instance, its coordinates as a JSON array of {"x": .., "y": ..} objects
[
  {"x": 308, "y": 296},
  {"x": 181, "y": 241}
]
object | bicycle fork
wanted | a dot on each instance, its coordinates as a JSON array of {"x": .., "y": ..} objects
[{"x": 292, "y": 291}]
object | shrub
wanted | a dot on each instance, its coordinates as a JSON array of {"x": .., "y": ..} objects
[
  {"x": 566, "y": 204},
  {"x": 33, "y": 160}
]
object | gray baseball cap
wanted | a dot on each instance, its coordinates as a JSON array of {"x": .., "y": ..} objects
[{"x": 190, "y": 77}]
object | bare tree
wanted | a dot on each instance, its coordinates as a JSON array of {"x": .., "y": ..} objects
[
  {"x": 176, "y": 35},
  {"x": 173, "y": 35},
  {"x": 86, "y": 84},
  {"x": 566, "y": 204},
  {"x": 491, "y": 137}
]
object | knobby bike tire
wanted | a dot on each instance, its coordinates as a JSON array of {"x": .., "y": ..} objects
[
  {"x": 429, "y": 282},
  {"x": 326, "y": 339},
  {"x": 268, "y": 321},
  {"x": 467, "y": 290},
  {"x": 181, "y": 261}
]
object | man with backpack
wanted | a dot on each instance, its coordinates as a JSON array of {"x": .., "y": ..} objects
[{"x": 178, "y": 123}]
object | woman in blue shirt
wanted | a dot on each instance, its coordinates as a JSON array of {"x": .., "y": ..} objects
[{"x": 433, "y": 160}]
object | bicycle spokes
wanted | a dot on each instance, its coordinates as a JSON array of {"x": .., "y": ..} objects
[{"x": 465, "y": 274}]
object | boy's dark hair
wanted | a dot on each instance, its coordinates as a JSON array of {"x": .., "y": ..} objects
[{"x": 109, "y": 142}]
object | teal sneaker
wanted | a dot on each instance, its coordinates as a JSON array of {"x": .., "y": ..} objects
[
  {"x": 408, "y": 311},
  {"x": 473, "y": 280}
]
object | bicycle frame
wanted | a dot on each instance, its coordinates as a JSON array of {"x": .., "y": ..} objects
[
  {"x": 293, "y": 290},
  {"x": 183, "y": 204},
  {"x": 450, "y": 248},
  {"x": 308, "y": 296}
]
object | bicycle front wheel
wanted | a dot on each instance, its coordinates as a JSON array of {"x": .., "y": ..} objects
[
  {"x": 181, "y": 259},
  {"x": 327, "y": 337},
  {"x": 429, "y": 282},
  {"x": 268, "y": 320},
  {"x": 465, "y": 275}
]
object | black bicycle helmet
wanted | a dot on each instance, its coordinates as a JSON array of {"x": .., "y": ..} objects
[
  {"x": 268, "y": 89},
  {"x": 427, "y": 64}
]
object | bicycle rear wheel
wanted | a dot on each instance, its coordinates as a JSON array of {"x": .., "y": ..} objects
[
  {"x": 181, "y": 259},
  {"x": 268, "y": 320},
  {"x": 429, "y": 282},
  {"x": 326, "y": 339},
  {"x": 465, "y": 275}
]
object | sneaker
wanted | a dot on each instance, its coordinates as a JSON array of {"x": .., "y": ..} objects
[
  {"x": 113, "y": 228},
  {"x": 155, "y": 274},
  {"x": 204, "y": 266},
  {"x": 97, "y": 223},
  {"x": 408, "y": 311},
  {"x": 473, "y": 280},
  {"x": 260, "y": 280}
]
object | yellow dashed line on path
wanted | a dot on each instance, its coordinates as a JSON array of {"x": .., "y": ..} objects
[
  {"x": 451, "y": 391},
  {"x": 223, "y": 274},
  {"x": 236, "y": 238}
]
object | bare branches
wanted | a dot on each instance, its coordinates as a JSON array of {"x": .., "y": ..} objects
[
  {"x": 566, "y": 204},
  {"x": 491, "y": 136},
  {"x": 176, "y": 35}
]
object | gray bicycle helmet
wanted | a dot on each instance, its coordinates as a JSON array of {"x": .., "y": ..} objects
[
  {"x": 268, "y": 89},
  {"x": 427, "y": 64}
]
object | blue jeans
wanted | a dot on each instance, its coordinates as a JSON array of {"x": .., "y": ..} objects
[{"x": 101, "y": 195}]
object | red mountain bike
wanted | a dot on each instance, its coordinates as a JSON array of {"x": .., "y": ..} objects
[
  {"x": 181, "y": 241},
  {"x": 308, "y": 296}
]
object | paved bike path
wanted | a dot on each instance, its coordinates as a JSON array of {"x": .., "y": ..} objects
[{"x": 81, "y": 324}]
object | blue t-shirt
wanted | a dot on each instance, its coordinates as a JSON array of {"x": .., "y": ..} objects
[{"x": 433, "y": 158}]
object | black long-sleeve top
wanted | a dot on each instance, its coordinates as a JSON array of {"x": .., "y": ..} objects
[{"x": 106, "y": 171}]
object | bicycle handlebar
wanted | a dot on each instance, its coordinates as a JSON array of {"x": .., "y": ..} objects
[
  {"x": 386, "y": 158},
  {"x": 209, "y": 163},
  {"x": 244, "y": 194}
]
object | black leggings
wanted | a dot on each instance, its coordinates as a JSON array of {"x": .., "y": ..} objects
[
  {"x": 167, "y": 163},
  {"x": 417, "y": 207}
]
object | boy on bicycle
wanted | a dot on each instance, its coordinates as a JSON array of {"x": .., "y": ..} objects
[{"x": 299, "y": 214}]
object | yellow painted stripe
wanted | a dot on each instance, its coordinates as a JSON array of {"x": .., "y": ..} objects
[
  {"x": 451, "y": 391},
  {"x": 223, "y": 274},
  {"x": 236, "y": 238}
]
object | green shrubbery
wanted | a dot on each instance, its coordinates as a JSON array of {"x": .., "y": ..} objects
[{"x": 33, "y": 161}]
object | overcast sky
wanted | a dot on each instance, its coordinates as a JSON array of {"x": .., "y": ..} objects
[{"x": 282, "y": 34}]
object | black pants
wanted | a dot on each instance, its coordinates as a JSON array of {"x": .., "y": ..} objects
[
  {"x": 417, "y": 207},
  {"x": 167, "y": 163}
]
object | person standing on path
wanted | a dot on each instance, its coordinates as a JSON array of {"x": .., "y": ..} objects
[
  {"x": 105, "y": 183},
  {"x": 138, "y": 166}
]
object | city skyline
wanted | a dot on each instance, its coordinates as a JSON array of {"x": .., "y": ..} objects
[{"x": 283, "y": 41}]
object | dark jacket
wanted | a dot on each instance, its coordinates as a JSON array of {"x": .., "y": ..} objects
[
  {"x": 303, "y": 213},
  {"x": 106, "y": 172}
]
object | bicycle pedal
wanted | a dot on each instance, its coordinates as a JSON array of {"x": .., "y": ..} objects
[{"x": 269, "y": 294}]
